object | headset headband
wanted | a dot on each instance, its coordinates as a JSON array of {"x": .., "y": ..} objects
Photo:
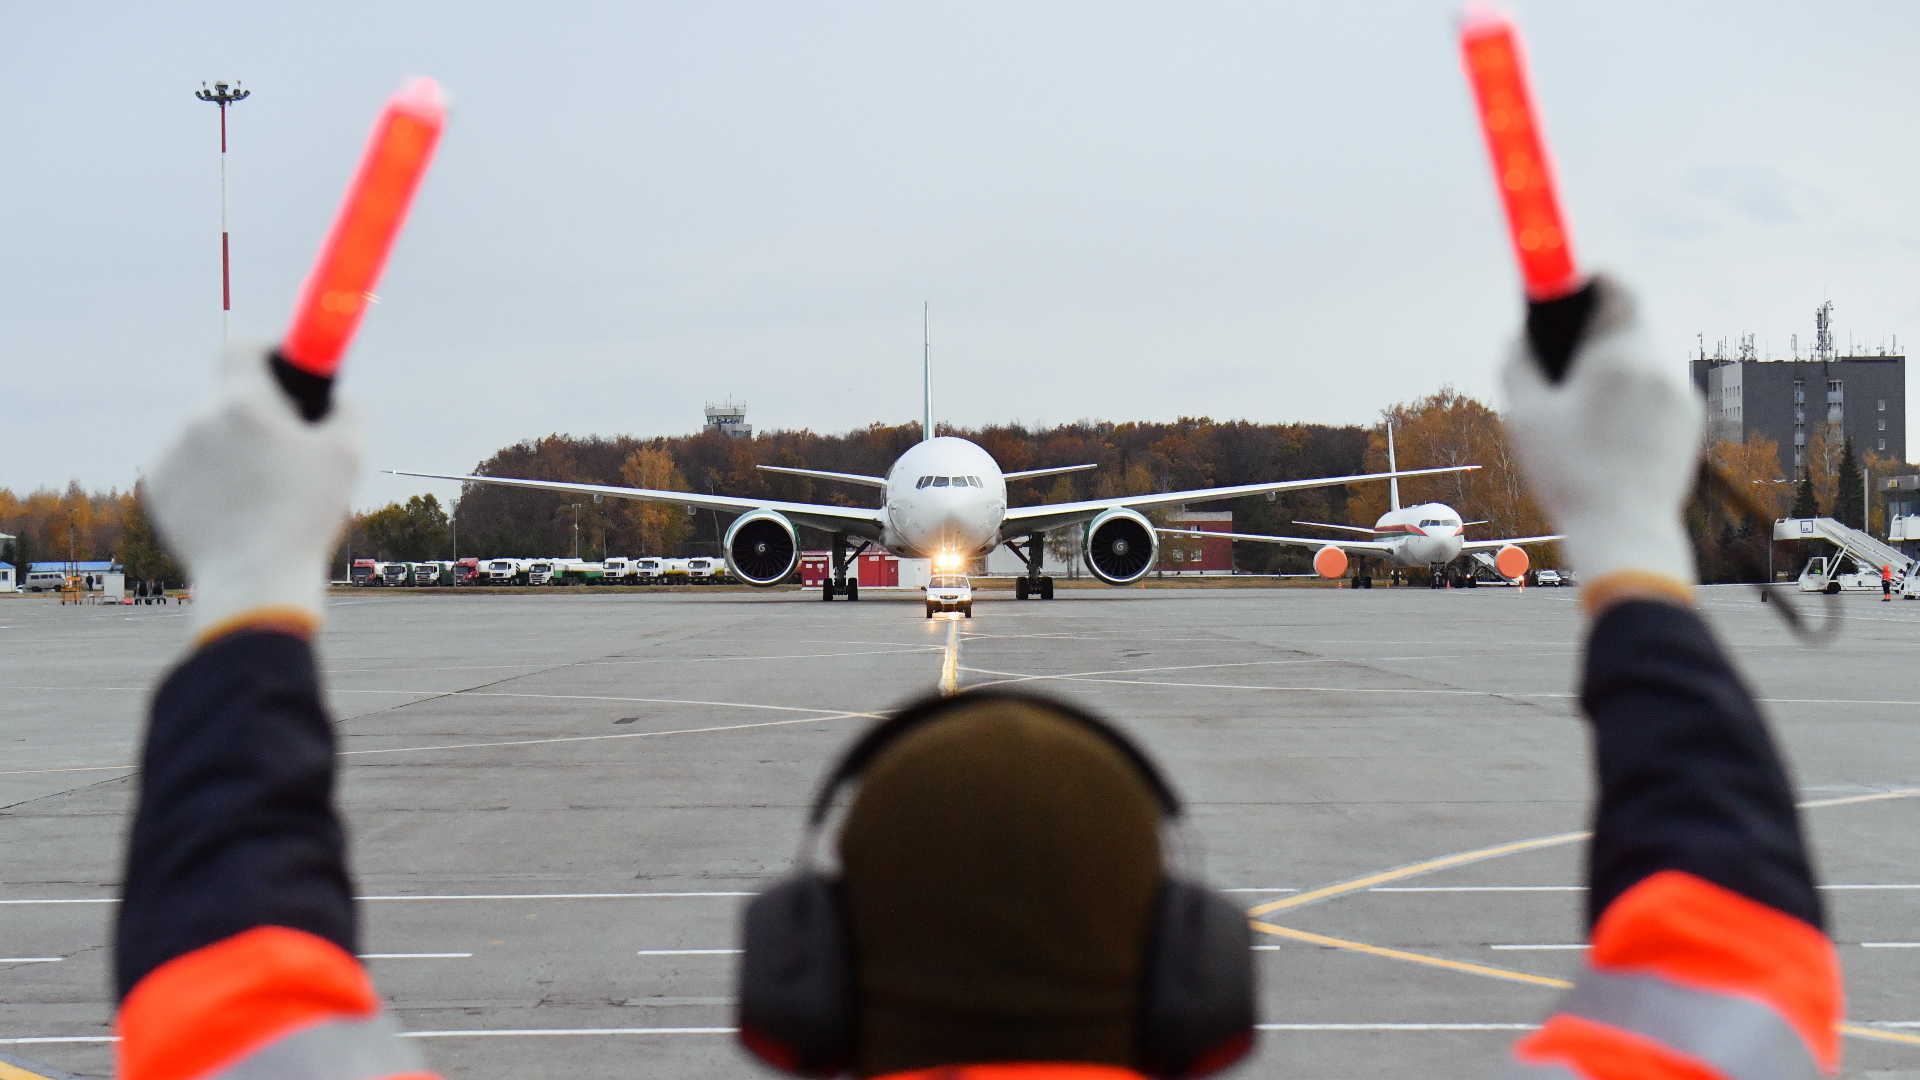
[{"x": 929, "y": 709}]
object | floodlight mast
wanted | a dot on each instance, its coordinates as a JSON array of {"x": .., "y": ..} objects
[{"x": 224, "y": 95}]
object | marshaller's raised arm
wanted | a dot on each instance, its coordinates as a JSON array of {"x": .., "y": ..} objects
[{"x": 1709, "y": 956}]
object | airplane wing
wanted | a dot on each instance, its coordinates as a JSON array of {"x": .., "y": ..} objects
[
  {"x": 860, "y": 521},
  {"x": 1351, "y": 547},
  {"x": 1342, "y": 528},
  {"x": 1518, "y": 541},
  {"x": 1031, "y": 473},
  {"x": 851, "y": 478},
  {"x": 1022, "y": 520}
]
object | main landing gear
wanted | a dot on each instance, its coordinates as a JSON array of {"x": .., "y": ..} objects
[
  {"x": 1362, "y": 577},
  {"x": 1035, "y": 585},
  {"x": 838, "y": 584}
]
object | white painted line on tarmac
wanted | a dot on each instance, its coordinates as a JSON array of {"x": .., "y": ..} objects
[
  {"x": 454, "y": 896},
  {"x": 1890, "y": 944},
  {"x": 46, "y": 1039},
  {"x": 415, "y": 955},
  {"x": 507, "y": 1032},
  {"x": 31, "y": 959},
  {"x": 85, "y": 768},
  {"x": 1478, "y": 888},
  {"x": 1534, "y": 948},
  {"x": 1397, "y": 1027},
  {"x": 1259, "y": 890},
  {"x": 689, "y": 952},
  {"x": 551, "y": 896},
  {"x": 1867, "y": 886},
  {"x": 619, "y": 735}
]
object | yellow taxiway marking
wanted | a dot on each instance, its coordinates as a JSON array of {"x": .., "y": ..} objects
[
  {"x": 1901, "y": 793},
  {"x": 1442, "y": 863},
  {"x": 950, "y": 667},
  {"x": 1410, "y": 957},
  {"x": 15, "y": 1072},
  {"x": 1859, "y": 1032}
]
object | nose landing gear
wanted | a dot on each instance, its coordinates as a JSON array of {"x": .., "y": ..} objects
[
  {"x": 838, "y": 584},
  {"x": 1034, "y": 585}
]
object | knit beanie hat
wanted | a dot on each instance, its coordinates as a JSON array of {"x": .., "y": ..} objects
[{"x": 999, "y": 867}]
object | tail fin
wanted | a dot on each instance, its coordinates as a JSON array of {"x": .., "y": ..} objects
[
  {"x": 926, "y": 332},
  {"x": 1393, "y": 483}
]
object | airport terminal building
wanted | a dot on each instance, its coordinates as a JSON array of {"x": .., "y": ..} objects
[{"x": 1786, "y": 400}]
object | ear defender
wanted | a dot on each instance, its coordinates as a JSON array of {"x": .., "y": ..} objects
[{"x": 796, "y": 993}]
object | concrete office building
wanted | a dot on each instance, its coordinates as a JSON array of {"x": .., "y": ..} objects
[{"x": 1786, "y": 401}]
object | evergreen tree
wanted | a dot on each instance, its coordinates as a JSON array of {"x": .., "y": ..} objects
[
  {"x": 1849, "y": 501},
  {"x": 142, "y": 553},
  {"x": 1805, "y": 503}
]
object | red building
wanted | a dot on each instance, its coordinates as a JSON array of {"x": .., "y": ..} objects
[{"x": 1205, "y": 556}]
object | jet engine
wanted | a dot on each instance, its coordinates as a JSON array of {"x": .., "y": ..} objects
[
  {"x": 761, "y": 548},
  {"x": 1512, "y": 562},
  {"x": 1121, "y": 546},
  {"x": 1330, "y": 562}
]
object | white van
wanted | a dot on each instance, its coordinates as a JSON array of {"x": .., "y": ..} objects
[{"x": 45, "y": 580}]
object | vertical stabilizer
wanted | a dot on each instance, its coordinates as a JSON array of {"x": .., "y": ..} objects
[
  {"x": 926, "y": 358},
  {"x": 1393, "y": 483}
]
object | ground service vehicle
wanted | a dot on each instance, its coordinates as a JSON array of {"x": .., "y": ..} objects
[
  {"x": 1547, "y": 576},
  {"x": 617, "y": 571},
  {"x": 950, "y": 592},
  {"x": 706, "y": 571},
  {"x": 540, "y": 572},
  {"x": 363, "y": 573},
  {"x": 649, "y": 571},
  {"x": 507, "y": 572},
  {"x": 466, "y": 571},
  {"x": 432, "y": 573},
  {"x": 39, "y": 580},
  {"x": 396, "y": 573},
  {"x": 577, "y": 572}
]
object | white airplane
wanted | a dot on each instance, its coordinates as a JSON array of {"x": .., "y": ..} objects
[
  {"x": 1428, "y": 536},
  {"x": 945, "y": 499}
]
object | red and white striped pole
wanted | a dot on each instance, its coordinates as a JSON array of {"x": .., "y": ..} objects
[{"x": 223, "y": 95}]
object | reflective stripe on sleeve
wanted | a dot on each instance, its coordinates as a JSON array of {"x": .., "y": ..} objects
[
  {"x": 1740, "y": 1038},
  {"x": 336, "y": 1050}
]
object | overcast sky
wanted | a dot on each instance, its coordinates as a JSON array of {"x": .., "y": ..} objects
[{"x": 1118, "y": 211}]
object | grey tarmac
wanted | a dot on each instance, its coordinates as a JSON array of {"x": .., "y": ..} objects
[{"x": 559, "y": 801}]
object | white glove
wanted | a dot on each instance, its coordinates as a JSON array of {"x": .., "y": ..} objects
[
  {"x": 1611, "y": 452},
  {"x": 251, "y": 497}
]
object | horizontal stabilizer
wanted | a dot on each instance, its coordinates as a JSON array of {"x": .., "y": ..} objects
[
  {"x": 1031, "y": 473},
  {"x": 850, "y": 478}
]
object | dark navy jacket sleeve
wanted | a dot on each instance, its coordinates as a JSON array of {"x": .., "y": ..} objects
[
  {"x": 236, "y": 827},
  {"x": 1689, "y": 778}
]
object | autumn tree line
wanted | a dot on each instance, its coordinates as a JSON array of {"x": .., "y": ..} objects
[{"x": 1444, "y": 428}]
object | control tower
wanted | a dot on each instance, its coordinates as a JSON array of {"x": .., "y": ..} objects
[{"x": 729, "y": 420}]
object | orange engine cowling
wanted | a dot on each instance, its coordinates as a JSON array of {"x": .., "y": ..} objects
[
  {"x": 1512, "y": 562},
  {"x": 1330, "y": 562}
]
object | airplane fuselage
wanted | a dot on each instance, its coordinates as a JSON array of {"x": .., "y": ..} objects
[
  {"x": 1421, "y": 535},
  {"x": 945, "y": 500}
]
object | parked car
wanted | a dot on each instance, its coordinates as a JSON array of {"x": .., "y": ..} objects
[
  {"x": 1547, "y": 576},
  {"x": 950, "y": 592}
]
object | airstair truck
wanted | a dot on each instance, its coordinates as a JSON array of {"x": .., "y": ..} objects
[{"x": 1858, "y": 550}]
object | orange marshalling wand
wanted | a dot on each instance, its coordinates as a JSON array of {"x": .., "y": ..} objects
[
  {"x": 336, "y": 293},
  {"x": 1490, "y": 48}
]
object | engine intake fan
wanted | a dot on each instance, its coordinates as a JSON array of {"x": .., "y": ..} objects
[
  {"x": 761, "y": 548},
  {"x": 1121, "y": 547}
]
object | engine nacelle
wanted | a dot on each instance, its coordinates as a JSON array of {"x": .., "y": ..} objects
[
  {"x": 1121, "y": 546},
  {"x": 1512, "y": 562},
  {"x": 1330, "y": 562},
  {"x": 761, "y": 548}
]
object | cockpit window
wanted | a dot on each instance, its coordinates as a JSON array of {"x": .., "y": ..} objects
[
  {"x": 939, "y": 481},
  {"x": 924, "y": 481},
  {"x": 975, "y": 481}
]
